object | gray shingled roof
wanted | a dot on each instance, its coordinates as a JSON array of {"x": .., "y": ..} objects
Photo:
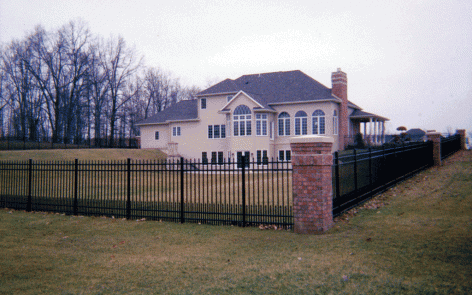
[
  {"x": 358, "y": 114},
  {"x": 183, "y": 110},
  {"x": 273, "y": 88},
  {"x": 267, "y": 89}
]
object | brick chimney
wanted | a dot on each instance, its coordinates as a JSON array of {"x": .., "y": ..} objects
[{"x": 339, "y": 88}]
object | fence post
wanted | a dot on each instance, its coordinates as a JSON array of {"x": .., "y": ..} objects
[
  {"x": 182, "y": 186},
  {"x": 312, "y": 183},
  {"x": 29, "y": 205},
  {"x": 243, "y": 188},
  {"x": 336, "y": 173},
  {"x": 76, "y": 185},
  {"x": 435, "y": 137},
  {"x": 462, "y": 134},
  {"x": 128, "y": 185}
]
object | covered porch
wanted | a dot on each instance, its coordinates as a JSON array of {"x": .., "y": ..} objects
[{"x": 371, "y": 126}]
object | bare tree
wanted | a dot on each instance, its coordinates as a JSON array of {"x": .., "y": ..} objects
[
  {"x": 121, "y": 65},
  {"x": 23, "y": 95}
]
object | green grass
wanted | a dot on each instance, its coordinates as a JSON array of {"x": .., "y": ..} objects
[
  {"x": 83, "y": 154},
  {"x": 418, "y": 240}
]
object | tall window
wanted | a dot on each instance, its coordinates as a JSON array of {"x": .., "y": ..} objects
[
  {"x": 301, "y": 123},
  {"x": 242, "y": 121},
  {"x": 261, "y": 124},
  {"x": 203, "y": 103},
  {"x": 335, "y": 123},
  {"x": 318, "y": 122},
  {"x": 284, "y": 124},
  {"x": 156, "y": 135}
]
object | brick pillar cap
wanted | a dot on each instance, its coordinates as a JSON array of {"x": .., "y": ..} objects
[{"x": 311, "y": 138}]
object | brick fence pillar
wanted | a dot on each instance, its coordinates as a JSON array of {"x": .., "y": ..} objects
[
  {"x": 462, "y": 134},
  {"x": 312, "y": 186},
  {"x": 435, "y": 137}
]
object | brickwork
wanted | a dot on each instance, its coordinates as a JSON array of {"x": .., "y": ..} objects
[
  {"x": 462, "y": 134},
  {"x": 435, "y": 137},
  {"x": 339, "y": 88},
  {"x": 312, "y": 184}
]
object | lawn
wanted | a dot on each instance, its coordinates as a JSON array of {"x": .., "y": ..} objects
[
  {"x": 414, "y": 239},
  {"x": 83, "y": 154}
]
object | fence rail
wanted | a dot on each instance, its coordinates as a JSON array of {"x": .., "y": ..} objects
[
  {"x": 225, "y": 193},
  {"x": 361, "y": 174},
  {"x": 450, "y": 145}
]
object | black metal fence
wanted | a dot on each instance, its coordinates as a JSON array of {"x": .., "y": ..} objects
[
  {"x": 224, "y": 193},
  {"x": 360, "y": 174},
  {"x": 22, "y": 143},
  {"x": 450, "y": 145}
]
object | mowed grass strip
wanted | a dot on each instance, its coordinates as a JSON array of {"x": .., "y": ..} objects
[
  {"x": 414, "y": 239},
  {"x": 83, "y": 154}
]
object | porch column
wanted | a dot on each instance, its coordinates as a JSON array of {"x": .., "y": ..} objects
[
  {"x": 312, "y": 186},
  {"x": 383, "y": 132},
  {"x": 370, "y": 130}
]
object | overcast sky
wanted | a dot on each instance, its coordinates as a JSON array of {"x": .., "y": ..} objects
[{"x": 409, "y": 61}]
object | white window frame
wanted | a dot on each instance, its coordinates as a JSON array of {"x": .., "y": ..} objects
[
  {"x": 301, "y": 123},
  {"x": 261, "y": 124},
  {"x": 176, "y": 131},
  {"x": 285, "y": 123},
  {"x": 335, "y": 123},
  {"x": 319, "y": 122}
]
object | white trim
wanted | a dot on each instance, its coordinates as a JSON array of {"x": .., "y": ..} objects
[
  {"x": 299, "y": 102},
  {"x": 168, "y": 122},
  {"x": 237, "y": 94}
]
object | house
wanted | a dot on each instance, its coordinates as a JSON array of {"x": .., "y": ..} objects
[
  {"x": 415, "y": 135},
  {"x": 257, "y": 115}
]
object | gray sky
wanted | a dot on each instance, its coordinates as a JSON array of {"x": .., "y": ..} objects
[{"x": 409, "y": 61}]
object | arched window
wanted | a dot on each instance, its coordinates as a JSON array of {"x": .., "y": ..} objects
[
  {"x": 284, "y": 124},
  {"x": 318, "y": 118},
  {"x": 301, "y": 123},
  {"x": 335, "y": 122},
  {"x": 242, "y": 121}
]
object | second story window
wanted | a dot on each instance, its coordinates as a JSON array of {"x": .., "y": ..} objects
[
  {"x": 242, "y": 121},
  {"x": 284, "y": 124},
  {"x": 203, "y": 102},
  {"x": 301, "y": 123},
  {"x": 261, "y": 124},
  {"x": 216, "y": 131},
  {"x": 335, "y": 123},
  {"x": 176, "y": 131},
  {"x": 318, "y": 122}
]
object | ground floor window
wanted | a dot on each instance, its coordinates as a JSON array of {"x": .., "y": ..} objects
[
  {"x": 262, "y": 157},
  {"x": 285, "y": 155},
  {"x": 204, "y": 158}
]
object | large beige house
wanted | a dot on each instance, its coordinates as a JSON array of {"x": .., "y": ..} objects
[{"x": 256, "y": 115}]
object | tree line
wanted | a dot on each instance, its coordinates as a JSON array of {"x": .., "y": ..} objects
[{"x": 70, "y": 85}]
